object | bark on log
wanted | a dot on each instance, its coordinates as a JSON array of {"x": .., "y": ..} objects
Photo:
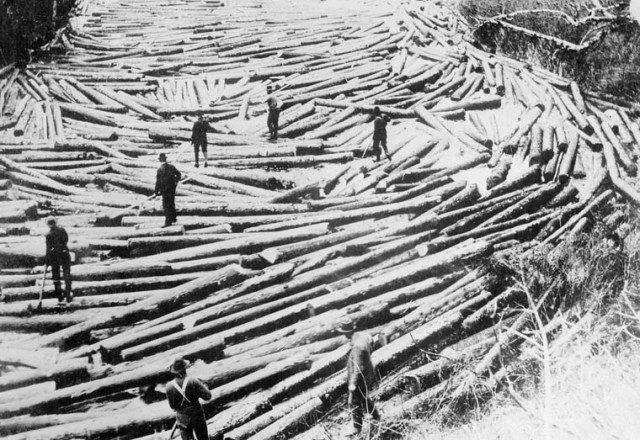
[{"x": 172, "y": 298}]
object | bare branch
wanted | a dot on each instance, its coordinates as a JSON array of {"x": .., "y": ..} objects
[
  {"x": 567, "y": 45},
  {"x": 510, "y": 15}
]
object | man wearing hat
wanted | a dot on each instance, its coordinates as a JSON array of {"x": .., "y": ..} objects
[
  {"x": 361, "y": 377},
  {"x": 199, "y": 139},
  {"x": 167, "y": 179},
  {"x": 380, "y": 122},
  {"x": 184, "y": 394},
  {"x": 57, "y": 256},
  {"x": 273, "y": 105}
]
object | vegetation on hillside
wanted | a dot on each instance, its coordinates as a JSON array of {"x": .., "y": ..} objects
[
  {"x": 595, "y": 42},
  {"x": 35, "y": 20}
]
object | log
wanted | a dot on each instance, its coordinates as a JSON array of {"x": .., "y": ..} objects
[
  {"x": 158, "y": 413},
  {"x": 306, "y": 414},
  {"x": 566, "y": 166},
  {"x": 390, "y": 111},
  {"x": 418, "y": 204},
  {"x": 531, "y": 175},
  {"x": 62, "y": 373},
  {"x": 534, "y": 200},
  {"x": 172, "y": 298},
  {"x": 172, "y": 322},
  {"x": 597, "y": 201},
  {"x": 82, "y": 288},
  {"x": 499, "y": 173}
]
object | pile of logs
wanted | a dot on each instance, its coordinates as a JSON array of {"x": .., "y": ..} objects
[{"x": 277, "y": 243}]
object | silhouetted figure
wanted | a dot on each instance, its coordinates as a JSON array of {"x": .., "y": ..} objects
[
  {"x": 167, "y": 179},
  {"x": 380, "y": 133},
  {"x": 184, "y": 394},
  {"x": 273, "y": 105},
  {"x": 360, "y": 377},
  {"x": 199, "y": 139},
  {"x": 58, "y": 257}
]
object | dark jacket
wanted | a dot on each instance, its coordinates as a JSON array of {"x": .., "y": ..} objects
[
  {"x": 199, "y": 132},
  {"x": 360, "y": 371},
  {"x": 167, "y": 179},
  {"x": 187, "y": 405},
  {"x": 57, "y": 250},
  {"x": 380, "y": 126}
]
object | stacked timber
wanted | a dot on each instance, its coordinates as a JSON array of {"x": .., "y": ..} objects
[{"x": 278, "y": 243}]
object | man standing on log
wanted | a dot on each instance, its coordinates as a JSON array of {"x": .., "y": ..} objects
[
  {"x": 199, "y": 139},
  {"x": 167, "y": 179},
  {"x": 273, "y": 105},
  {"x": 184, "y": 394},
  {"x": 380, "y": 133},
  {"x": 57, "y": 256},
  {"x": 360, "y": 377}
]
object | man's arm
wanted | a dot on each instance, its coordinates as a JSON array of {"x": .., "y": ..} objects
[
  {"x": 193, "y": 132},
  {"x": 64, "y": 235},
  {"x": 201, "y": 390},
  {"x": 47, "y": 252},
  {"x": 177, "y": 174},
  {"x": 170, "y": 399},
  {"x": 158, "y": 182}
]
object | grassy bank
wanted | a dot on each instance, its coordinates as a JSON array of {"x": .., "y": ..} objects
[
  {"x": 607, "y": 60},
  {"x": 34, "y": 20}
]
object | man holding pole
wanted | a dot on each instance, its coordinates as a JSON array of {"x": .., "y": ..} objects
[
  {"x": 167, "y": 179},
  {"x": 57, "y": 256},
  {"x": 380, "y": 133},
  {"x": 273, "y": 105},
  {"x": 199, "y": 139},
  {"x": 184, "y": 394}
]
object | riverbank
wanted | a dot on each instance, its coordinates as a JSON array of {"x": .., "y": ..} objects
[{"x": 31, "y": 21}]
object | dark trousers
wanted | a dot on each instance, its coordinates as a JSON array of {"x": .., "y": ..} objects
[
  {"x": 272, "y": 123},
  {"x": 360, "y": 404},
  {"x": 64, "y": 263},
  {"x": 196, "y": 429},
  {"x": 169, "y": 208},
  {"x": 377, "y": 142},
  {"x": 196, "y": 150}
]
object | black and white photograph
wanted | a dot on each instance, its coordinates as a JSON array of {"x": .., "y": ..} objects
[{"x": 319, "y": 219}]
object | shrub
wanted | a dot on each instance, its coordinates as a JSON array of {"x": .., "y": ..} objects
[{"x": 610, "y": 61}]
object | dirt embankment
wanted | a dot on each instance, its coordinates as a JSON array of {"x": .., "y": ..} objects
[{"x": 33, "y": 21}]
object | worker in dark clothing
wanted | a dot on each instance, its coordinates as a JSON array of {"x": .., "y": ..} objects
[
  {"x": 273, "y": 105},
  {"x": 361, "y": 377},
  {"x": 167, "y": 179},
  {"x": 199, "y": 139},
  {"x": 380, "y": 133},
  {"x": 184, "y": 394},
  {"x": 57, "y": 256}
]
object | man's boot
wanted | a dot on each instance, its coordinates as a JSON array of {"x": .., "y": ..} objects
[{"x": 58, "y": 291}]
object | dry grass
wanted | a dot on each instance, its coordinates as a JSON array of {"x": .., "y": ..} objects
[{"x": 611, "y": 65}]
